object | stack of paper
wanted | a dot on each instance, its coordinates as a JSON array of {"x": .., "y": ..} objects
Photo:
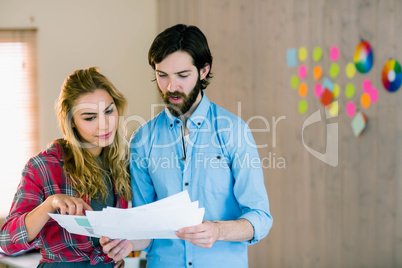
[{"x": 160, "y": 219}]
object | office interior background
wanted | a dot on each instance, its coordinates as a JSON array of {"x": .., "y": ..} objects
[{"x": 333, "y": 178}]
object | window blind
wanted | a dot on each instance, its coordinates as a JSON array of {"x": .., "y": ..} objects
[{"x": 18, "y": 109}]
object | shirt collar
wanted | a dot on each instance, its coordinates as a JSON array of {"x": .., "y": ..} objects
[{"x": 197, "y": 118}]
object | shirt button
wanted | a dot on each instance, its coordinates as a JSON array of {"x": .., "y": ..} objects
[
  {"x": 199, "y": 123},
  {"x": 171, "y": 125},
  {"x": 183, "y": 158},
  {"x": 190, "y": 263},
  {"x": 219, "y": 157},
  {"x": 177, "y": 121},
  {"x": 186, "y": 184}
]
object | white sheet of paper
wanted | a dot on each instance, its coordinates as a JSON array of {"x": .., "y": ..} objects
[
  {"x": 160, "y": 219},
  {"x": 74, "y": 224}
]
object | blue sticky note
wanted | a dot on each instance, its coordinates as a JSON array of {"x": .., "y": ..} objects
[
  {"x": 291, "y": 57},
  {"x": 328, "y": 84},
  {"x": 358, "y": 124}
]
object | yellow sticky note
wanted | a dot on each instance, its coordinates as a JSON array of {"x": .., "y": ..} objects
[
  {"x": 350, "y": 70},
  {"x": 334, "y": 108},
  {"x": 302, "y": 54}
]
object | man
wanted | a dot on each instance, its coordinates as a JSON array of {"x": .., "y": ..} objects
[{"x": 197, "y": 146}]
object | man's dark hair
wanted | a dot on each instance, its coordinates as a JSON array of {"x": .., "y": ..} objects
[{"x": 184, "y": 38}]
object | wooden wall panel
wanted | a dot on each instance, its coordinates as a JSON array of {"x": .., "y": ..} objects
[{"x": 324, "y": 216}]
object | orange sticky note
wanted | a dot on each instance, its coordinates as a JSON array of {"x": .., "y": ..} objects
[
  {"x": 365, "y": 100},
  {"x": 303, "y": 89},
  {"x": 317, "y": 72}
]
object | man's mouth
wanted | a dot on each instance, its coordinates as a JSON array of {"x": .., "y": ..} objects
[{"x": 175, "y": 99}]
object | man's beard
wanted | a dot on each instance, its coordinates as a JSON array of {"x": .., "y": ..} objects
[{"x": 179, "y": 109}]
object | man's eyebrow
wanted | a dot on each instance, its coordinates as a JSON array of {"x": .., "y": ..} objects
[
  {"x": 180, "y": 72},
  {"x": 97, "y": 113}
]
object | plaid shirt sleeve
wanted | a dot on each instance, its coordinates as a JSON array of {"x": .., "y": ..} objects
[
  {"x": 42, "y": 177},
  {"x": 13, "y": 235}
]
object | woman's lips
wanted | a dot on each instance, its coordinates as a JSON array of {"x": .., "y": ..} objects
[{"x": 106, "y": 136}]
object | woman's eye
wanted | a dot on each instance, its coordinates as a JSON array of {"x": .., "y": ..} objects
[
  {"x": 89, "y": 118},
  {"x": 109, "y": 111},
  {"x": 161, "y": 75}
]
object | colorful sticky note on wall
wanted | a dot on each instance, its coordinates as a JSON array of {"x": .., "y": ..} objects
[
  {"x": 351, "y": 109},
  {"x": 358, "y": 124},
  {"x": 302, "y": 71},
  {"x": 334, "y": 70},
  {"x": 318, "y": 90},
  {"x": 294, "y": 81},
  {"x": 328, "y": 84},
  {"x": 334, "y": 109},
  {"x": 365, "y": 100},
  {"x": 317, "y": 73},
  {"x": 291, "y": 57},
  {"x": 350, "y": 90},
  {"x": 303, "y": 106},
  {"x": 350, "y": 70},
  {"x": 363, "y": 57},
  {"x": 302, "y": 54},
  {"x": 334, "y": 53},
  {"x": 326, "y": 97},
  {"x": 337, "y": 91},
  {"x": 303, "y": 90},
  {"x": 317, "y": 54},
  {"x": 392, "y": 75}
]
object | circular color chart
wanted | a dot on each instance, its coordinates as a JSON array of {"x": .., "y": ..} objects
[
  {"x": 363, "y": 57},
  {"x": 392, "y": 75}
]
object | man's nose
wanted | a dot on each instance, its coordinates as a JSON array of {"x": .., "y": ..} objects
[{"x": 171, "y": 85}]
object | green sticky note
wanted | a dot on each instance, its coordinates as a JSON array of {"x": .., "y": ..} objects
[
  {"x": 317, "y": 54},
  {"x": 294, "y": 82},
  {"x": 350, "y": 90},
  {"x": 358, "y": 124},
  {"x": 334, "y": 70},
  {"x": 83, "y": 222},
  {"x": 303, "y": 106}
]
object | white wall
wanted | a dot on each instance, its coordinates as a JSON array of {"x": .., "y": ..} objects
[{"x": 114, "y": 35}]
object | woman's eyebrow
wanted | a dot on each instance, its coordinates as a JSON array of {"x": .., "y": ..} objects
[{"x": 88, "y": 113}]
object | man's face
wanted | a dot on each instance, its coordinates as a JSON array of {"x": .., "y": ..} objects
[{"x": 179, "y": 83}]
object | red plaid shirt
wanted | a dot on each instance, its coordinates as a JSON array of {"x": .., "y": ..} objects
[{"x": 42, "y": 177}]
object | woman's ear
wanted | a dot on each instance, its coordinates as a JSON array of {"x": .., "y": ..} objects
[{"x": 204, "y": 71}]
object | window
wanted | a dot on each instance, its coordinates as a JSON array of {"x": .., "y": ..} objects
[{"x": 18, "y": 109}]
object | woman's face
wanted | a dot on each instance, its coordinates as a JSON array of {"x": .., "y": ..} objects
[{"x": 95, "y": 118}]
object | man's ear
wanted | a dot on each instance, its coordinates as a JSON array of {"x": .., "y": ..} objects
[{"x": 204, "y": 71}]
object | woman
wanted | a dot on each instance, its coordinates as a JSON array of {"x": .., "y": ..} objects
[{"x": 87, "y": 170}]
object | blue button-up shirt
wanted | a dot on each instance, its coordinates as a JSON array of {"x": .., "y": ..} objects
[{"x": 218, "y": 165}]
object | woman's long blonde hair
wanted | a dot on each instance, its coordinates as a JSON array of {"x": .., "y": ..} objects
[{"x": 85, "y": 172}]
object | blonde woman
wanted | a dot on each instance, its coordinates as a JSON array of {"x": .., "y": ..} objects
[{"x": 86, "y": 170}]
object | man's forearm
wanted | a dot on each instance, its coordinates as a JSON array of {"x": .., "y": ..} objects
[{"x": 237, "y": 230}]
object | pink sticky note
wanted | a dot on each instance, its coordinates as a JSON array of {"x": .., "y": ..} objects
[
  {"x": 350, "y": 109},
  {"x": 373, "y": 94},
  {"x": 366, "y": 85},
  {"x": 334, "y": 53},
  {"x": 302, "y": 71},
  {"x": 318, "y": 90}
]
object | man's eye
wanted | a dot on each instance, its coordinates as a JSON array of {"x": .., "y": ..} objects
[{"x": 183, "y": 75}]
